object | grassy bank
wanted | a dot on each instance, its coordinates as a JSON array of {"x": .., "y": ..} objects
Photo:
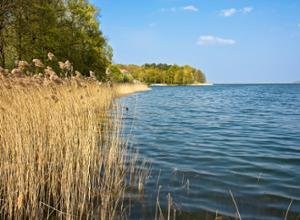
[
  {"x": 61, "y": 151},
  {"x": 127, "y": 88},
  {"x": 194, "y": 84}
]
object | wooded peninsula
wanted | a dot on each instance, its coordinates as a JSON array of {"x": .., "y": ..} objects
[{"x": 157, "y": 73}]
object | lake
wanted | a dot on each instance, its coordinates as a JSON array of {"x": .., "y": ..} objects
[{"x": 204, "y": 142}]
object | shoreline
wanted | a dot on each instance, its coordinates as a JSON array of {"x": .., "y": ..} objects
[
  {"x": 194, "y": 84},
  {"x": 124, "y": 89}
]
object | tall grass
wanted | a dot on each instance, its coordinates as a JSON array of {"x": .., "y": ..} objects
[
  {"x": 127, "y": 88},
  {"x": 62, "y": 155}
]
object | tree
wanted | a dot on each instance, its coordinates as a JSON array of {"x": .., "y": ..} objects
[
  {"x": 178, "y": 77},
  {"x": 68, "y": 28},
  {"x": 164, "y": 73},
  {"x": 6, "y": 7},
  {"x": 89, "y": 48}
]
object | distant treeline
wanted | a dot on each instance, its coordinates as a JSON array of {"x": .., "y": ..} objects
[
  {"x": 68, "y": 28},
  {"x": 158, "y": 73}
]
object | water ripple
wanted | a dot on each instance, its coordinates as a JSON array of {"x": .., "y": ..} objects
[{"x": 205, "y": 141}]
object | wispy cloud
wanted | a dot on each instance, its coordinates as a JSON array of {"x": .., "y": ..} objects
[
  {"x": 228, "y": 12},
  {"x": 246, "y": 10},
  {"x": 191, "y": 8},
  {"x": 173, "y": 9},
  {"x": 232, "y": 11},
  {"x": 153, "y": 24},
  {"x": 213, "y": 40}
]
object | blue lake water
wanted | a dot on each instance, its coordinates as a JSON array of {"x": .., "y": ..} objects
[{"x": 203, "y": 142}]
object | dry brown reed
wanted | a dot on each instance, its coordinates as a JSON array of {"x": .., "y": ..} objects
[
  {"x": 127, "y": 88},
  {"x": 62, "y": 155}
]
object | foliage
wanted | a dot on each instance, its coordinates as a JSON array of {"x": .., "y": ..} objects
[
  {"x": 68, "y": 28},
  {"x": 119, "y": 75},
  {"x": 164, "y": 73}
]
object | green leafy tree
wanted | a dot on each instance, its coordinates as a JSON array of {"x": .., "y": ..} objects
[
  {"x": 68, "y": 28},
  {"x": 164, "y": 73},
  {"x": 6, "y": 7}
]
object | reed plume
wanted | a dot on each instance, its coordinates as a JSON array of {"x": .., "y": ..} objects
[{"x": 62, "y": 155}]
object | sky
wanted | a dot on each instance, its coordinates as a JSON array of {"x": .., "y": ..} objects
[{"x": 231, "y": 41}]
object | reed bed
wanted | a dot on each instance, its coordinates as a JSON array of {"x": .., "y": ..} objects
[
  {"x": 128, "y": 88},
  {"x": 62, "y": 155}
]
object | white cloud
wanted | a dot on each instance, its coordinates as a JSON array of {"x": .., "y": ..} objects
[
  {"x": 190, "y": 8},
  {"x": 232, "y": 11},
  {"x": 247, "y": 10},
  {"x": 213, "y": 40},
  {"x": 228, "y": 12}
]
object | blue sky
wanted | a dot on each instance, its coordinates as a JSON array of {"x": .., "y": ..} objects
[{"x": 232, "y": 41}]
